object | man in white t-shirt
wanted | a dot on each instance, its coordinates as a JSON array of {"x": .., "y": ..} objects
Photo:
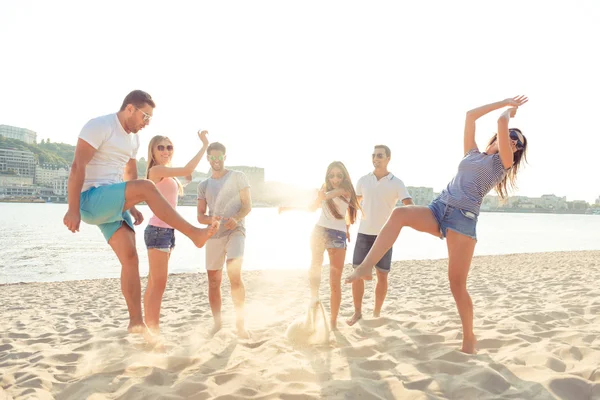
[
  {"x": 104, "y": 188},
  {"x": 379, "y": 192}
]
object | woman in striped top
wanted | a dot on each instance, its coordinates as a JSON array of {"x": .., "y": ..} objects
[{"x": 453, "y": 214}]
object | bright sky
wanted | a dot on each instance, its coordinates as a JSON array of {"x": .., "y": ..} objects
[{"x": 293, "y": 86}]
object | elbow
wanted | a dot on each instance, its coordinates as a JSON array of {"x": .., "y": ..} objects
[{"x": 470, "y": 115}]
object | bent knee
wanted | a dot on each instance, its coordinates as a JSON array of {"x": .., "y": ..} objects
[{"x": 142, "y": 185}]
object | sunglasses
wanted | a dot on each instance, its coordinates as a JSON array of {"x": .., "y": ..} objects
[
  {"x": 160, "y": 147},
  {"x": 515, "y": 136},
  {"x": 216, "y": 158},
  {"x": 331, "y": 176},
  {"x": 146, "y": 117},
  {"x": 378, "y": 155}
]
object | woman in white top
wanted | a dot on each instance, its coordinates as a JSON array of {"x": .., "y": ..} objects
[
  {"x": 159, "y": 236},
  {"x": 339, "y": 206}
]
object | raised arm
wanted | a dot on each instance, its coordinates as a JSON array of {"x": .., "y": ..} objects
[
  {"x": 162, "y": 171},
  {"x": 476, "y": 113},
  {"x": 84, "y": 152},
  {"x": 504, "y": 147}
]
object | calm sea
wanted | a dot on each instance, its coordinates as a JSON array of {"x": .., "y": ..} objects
[{"x": 36, "y": 247}]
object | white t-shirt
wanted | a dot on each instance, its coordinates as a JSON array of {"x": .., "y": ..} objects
[
  {"x": 327, "y": 220},
  {"x": 114, "y": 148},
  {"x": 379, "y": 197}
]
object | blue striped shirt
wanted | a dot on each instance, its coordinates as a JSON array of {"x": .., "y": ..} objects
[{"x": 477, "y": 174}]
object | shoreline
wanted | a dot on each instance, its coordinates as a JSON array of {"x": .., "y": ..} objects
[{"x": 347, "y": 267}]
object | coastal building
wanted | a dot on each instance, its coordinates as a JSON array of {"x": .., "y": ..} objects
[
  {"x": 421, "y": 196},
  {"x": 19, "y": 163},
  {"x": 13, "y": 132},
  {"x": 46, "y": 175},
  {"x": 59, "y": 186}
]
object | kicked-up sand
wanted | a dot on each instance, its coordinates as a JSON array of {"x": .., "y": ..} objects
[{"x": 537, "y": 319}]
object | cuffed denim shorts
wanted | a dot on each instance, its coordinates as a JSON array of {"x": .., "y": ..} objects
[
  {"x": 363, "y": 246},
  {"x": 328, "y": 238},
  {"x": 158, "y": 238},
  {"x": 448, "y": 217}
]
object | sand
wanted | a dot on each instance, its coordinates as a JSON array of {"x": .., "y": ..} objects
[{"x": 537, "y": 318}]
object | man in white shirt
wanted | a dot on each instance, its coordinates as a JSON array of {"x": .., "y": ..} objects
[
  {"x": 104, "y": 188},
  {"x": 379, "y": 191}
]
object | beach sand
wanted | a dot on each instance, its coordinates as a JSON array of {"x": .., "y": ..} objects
[{"x": 537, "y": 318}]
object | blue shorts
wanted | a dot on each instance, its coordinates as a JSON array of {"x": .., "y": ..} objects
[
  {"x": 448, "y": 217},
  {"x": 363, "y": 246},
  {"x": 103, "y": 206},
  {"x": 162, "y": 239},
  {"x": 327, "y": 238}
]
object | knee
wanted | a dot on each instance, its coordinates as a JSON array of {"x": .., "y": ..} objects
[
  {"x": 236, "y": 283},
  {"x": 398, "y": 215},
  {"x": 158, "y": 284},
  {"x": 214, "y": 283},
  {"x": 382, "y": 279},
  {"x": 458, "y": 284},
  {"x": 143, "y": 186},
  {"x": 130, "y": 258}
]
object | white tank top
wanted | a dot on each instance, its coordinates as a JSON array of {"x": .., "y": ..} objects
[{"x": 327, "y": 220}]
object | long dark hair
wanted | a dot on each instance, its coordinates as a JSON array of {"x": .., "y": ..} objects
[
  {"x": 511, "y": 176},
  {"x": 346, "y": 184}
]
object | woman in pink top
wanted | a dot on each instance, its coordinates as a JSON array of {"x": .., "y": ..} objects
[{"x": 160, "y": 237}]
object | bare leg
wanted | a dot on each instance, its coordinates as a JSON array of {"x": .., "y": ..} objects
[
  {"x": 214, "y": 298},
  {"x": 123, "y": 244},
  {"x": 238, "y": 294},
  {"x": 419, "y": 218},
  {"x": 336, "y": 265},
  {"x": 380, "y": 291},
  {"x": 358, "y": 291},
  {"x": 144, "y": 190},
  {"x": 157, "y": 282},
  {"x": 314, "y": 274},
  {"x": 460, "y": 254}
]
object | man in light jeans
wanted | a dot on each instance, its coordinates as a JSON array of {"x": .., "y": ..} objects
[
  {"x": 379, "y": 192},
  {"x": 226, "y": 195}
]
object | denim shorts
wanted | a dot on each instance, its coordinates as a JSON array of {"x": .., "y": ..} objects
[
  {"x": 328, "y": 238},
  {"x": 103, "y": 206},
  {"x": 363, "y": 246},
  {"x": 448, "y": 217},
  {"x": 162, "y": 239}
]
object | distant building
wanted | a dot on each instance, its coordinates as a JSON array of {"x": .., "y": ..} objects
[
  {"x": 59, "y": 186},
  {"x": 13, "y": 132},
  {"x": 46, "y": 175},
  {"x": 17, "y": 163},
  {"x": 421, "y": 196}
]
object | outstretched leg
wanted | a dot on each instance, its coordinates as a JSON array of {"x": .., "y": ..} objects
[
  {"x": 460, "y": 254},
  {"x": 144, "y": 190},
  {"x": 419, "y": 218}
]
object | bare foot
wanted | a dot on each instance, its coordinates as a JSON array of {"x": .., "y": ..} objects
[
  {"x": 143, "y": 330},
  {"x": 334, "y": 326},
  {"x": 241, "y": 330},
  {"x": 360, "y": 272},
  {"x": 216, "y": 328},
  {"x": 154, "y": 329},
  {"x": 354, "y": 319},
  {"x": 469, "y": 345},
  {"x": 376, "y": 314},
  {"x": 201, "y": 235}
]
